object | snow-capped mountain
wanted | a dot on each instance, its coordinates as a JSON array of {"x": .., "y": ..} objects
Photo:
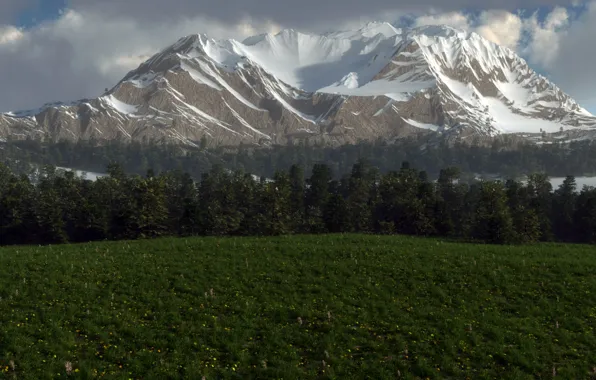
[{"x": 377, "y": 81}]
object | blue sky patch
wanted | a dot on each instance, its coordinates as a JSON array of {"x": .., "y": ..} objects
[{"x": 46, "y": 10}]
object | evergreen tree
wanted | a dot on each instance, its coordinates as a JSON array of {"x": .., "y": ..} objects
[
  {"x": 317, "y": 196},
  {"x": 526, "y": 224},
  {"x": 188, "y": 207},
  {"x": 359, "y": 200},
  {"x": 585, "y": 215},
  {"x": 428, "y": 199},
  {"x": 335, "y": 211},
  {"x": 18, "y": 222},
  {"x": 57, "y": 206},
  {"x": 412, "y": 217},
  {"x": 123, "y": 216},
  {"x": 297, "y": 198},
  {"x": 492, "y": 219},
  {"x": 50, "y": 219},
  {"x": 564, "y": 209},
  {"x": 540, "y": 191},
  {"x": 71, "y": 202},
  {"x": 449, "y": 203},
  {"x": 150, "y": 203},
  {"x": 92, "y": 215},
  {"x": 210, "y": 216},
  {"x": 388, "y": 207},
  {"x": 278, "y": 200},
  {"x": 247, "y": 189}
]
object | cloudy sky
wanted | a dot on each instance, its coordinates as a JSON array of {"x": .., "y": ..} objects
[{"x": 54, "y": 50}]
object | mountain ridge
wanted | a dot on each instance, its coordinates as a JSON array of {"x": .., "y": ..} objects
[{"x": 378, "y": 81}]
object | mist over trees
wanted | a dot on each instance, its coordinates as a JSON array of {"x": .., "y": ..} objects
[{"x": 501, "y": 158}]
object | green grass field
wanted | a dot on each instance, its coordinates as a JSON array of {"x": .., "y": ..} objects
[{"x": 343, "y": 307}]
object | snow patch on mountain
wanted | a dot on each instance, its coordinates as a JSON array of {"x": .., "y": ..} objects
[
  {"x": 394, "y": 89},
  {"x": 435, "y": 78},
  {"x": 507, "y": 121},
  {"x": 418, "y": 124},
  {"x": 306, "y": 62},
  {"x": 31, "y": 113},
  {"x": 198, "y": 76},
  {"x": 347, "y": 63},
  {"x": 112, "y": 102}
]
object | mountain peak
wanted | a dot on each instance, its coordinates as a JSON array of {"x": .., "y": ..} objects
[
  {"x": 374, "y": 28},
  {"x": 374, "y": 81},
  {"x": 443, "y": 31}
]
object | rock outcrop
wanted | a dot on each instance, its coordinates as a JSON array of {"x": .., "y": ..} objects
[{"x": 377, "y": 82}]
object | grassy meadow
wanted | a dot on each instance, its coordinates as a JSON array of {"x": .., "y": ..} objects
[{"x": 301, "y": 307}]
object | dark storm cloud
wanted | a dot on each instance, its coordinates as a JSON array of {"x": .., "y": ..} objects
[
  {"x": 38, "y": 72},
  {"x": 291, "y": 13},
  {"x": 9, "y": 9},
  {"x": 573, "y": 66},
  {"x": 89, "y": 48}
]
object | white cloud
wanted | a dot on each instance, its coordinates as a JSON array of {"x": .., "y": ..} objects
[
  {"x": 498, "y": 26},
  {"x": 501, "y": 27},
  {"x": 453, "y": 19},
  {"x": 557, "y": 19},
  {"x": 121, "y": 64},
  {"x": 309, "y": 14},
  {"x": 9, "y": 33},
  {"x": 572, "y": 66},
  {"x": 83, "y": 51},
  {"x": 546, "y": 36},
  {"x": 247, "y": 27},
  {"x": 556, "y": 45}
]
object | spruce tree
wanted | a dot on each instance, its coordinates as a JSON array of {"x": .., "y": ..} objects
[
  {"x": 585, "y": 215},
  {"x": 50, "y": 218},
  {"x": 335, "y": 211},
  {"x": 150, "y": 203},
  {"x": 358, "y": 202},
  {"x": 540, "y": 192},
  {"x": 317, "y": 196},
  {"x": 492, "y": 219},
  {"x": 297, "y": 198},
  {"x": 564, "y": 208},
  {"x": 278, "y": 198},
  {"x": 526, "y": 224}
]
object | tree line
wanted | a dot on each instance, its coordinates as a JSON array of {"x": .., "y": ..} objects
[
  {"x": 503, "y": 157},
  {"x": 60, "y": 207}
]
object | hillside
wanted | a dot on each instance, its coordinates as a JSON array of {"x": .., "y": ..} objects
[
  {"x": 345, "y": 306},
  {"x": 374, "y": 82}
]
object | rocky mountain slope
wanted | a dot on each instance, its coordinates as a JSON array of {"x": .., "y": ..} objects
[{"x": 375, "y": 82}]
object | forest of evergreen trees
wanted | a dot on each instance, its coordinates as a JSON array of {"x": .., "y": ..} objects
[
  {"x": 557, "y": 160},
  {"x": 58, "y": 207}
]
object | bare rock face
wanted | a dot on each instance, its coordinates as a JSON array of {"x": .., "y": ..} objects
[{"x": 377, "y": 82}]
